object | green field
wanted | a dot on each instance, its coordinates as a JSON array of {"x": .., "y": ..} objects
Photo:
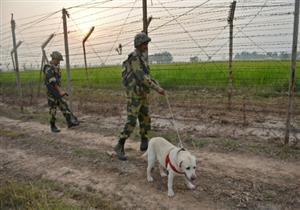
[{"x": 258, "y": 75}]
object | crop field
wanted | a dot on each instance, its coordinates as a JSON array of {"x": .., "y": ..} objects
[{"x": 257, "y": 75}]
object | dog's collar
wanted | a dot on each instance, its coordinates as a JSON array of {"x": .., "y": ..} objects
[{"x": 168, "y": 162}]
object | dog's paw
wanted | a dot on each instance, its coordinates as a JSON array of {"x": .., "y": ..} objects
[
  {"x": 150, "y": 179},
  {"x": 171, "y": 193},
  {"x": 191, "y": 186}
]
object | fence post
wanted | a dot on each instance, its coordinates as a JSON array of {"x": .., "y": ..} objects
[
  {"x": 145, "y": 23},
  {"x": 44, "y": 60},
  {"x": 13, "y": 31},
  {"x": 12, "y": 54},
  {"x": 84, "y": 54},
  {"x": 230, "y": 22},
  {"x": 69, "y": 88},
  {"x": 292, "y": 73}
]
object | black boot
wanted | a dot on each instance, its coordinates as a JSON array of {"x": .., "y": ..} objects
[
  {"x": 72, "y": 124},
  {"x": 72, "y": 121},
  {"x": 119, "y": 149},
  {"x": 144, "y": 144},
  {"x": 54, "y": 129}
]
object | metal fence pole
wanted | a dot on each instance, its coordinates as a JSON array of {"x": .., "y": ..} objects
[
  {"x": 84, "y": 53},
  {"x": 292, "y": 74},
  {"x": 69, "y": 88},
  {"x": 44, "y": 60},
  {"x": 230, "y": 21},
  {"x": 145, "y": 23},
  {"x": 13, "y": 30}
]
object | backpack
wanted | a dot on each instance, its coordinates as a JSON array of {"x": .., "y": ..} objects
[
  {"x": 128, "y": 77},
  {"x": 45, "y": 67},
  {"x": 127, "y": 74},
  {"x": 50, "y": 87}
]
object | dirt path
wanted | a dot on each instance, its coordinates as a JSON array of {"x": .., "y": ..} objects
[{"x": 85, "y": 160}]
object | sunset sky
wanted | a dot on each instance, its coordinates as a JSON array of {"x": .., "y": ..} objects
[{"x": 184, "y": 28}]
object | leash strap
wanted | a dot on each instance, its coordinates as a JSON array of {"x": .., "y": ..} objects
[{"x": 173, "y": 122}]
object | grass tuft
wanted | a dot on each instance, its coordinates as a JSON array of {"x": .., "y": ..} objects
[{"x": 27, "y": 196}]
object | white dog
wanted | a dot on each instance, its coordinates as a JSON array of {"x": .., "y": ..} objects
[{"x": 173, "y": 159}]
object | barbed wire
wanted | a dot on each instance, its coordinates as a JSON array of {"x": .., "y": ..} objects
[
  {"x": 89, "y": 45},
  {"x": 131, "y": 9},
  {"x": 203, "y": 23}
]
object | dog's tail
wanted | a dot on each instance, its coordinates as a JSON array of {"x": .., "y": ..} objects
[{"x": 145, "y": 154}]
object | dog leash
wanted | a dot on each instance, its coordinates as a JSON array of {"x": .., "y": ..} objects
[{"x": 173, "y": 122}]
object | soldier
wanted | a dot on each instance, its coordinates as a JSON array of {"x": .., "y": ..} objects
[
  {"x": 52, "y": 79},
  {"x": 137, "y": 82}
]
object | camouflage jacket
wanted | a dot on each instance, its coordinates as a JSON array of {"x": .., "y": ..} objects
[
  {"x": 52, "y": 77},
  {"x": 139, "y": 80}
]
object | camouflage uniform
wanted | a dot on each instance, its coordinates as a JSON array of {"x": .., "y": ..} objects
[
  {"x": 137, "y": 81},
  {"x": 52, "y": 77},
  {"x": 137, "y": 91}
]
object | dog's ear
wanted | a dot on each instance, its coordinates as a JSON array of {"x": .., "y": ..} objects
[{"x": 180, "y": 164}]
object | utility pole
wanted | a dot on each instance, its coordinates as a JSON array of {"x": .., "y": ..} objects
[
  {"x": 230, "y": 22},
  {"x": 84, "y": 53},
  {"x": 65, "y": 14},
  {"x": 13, "y": 31},
  {"x": 44, "y": 59},
  {"x": 293, "y": 72}
]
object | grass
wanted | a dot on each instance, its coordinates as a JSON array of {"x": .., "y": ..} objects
[
  {"x": 229, "y": 145},
  {"x": 10, "y": 134},
  {"x": 282, "y": 152},
  {"x": 268, "y": 76},
  {"x": 199, "y": 143},
  {"x": 89, "y": 153},
  {"x": 27, "y": 196},
  {"x": 49, "y": 195}
]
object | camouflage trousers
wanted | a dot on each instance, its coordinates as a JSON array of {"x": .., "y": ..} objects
[
  {"x": 62, "y": 105},
  {"x": 137, "y": 109}
]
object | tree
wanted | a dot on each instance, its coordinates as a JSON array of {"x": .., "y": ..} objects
[
  {"x": 194, "y": 59},
  {"x": 284, "y": 55},
  {"x": 161, "y": 58}
]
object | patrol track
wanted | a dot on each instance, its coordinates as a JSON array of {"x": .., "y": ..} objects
[{"x": 84, "y": 160}]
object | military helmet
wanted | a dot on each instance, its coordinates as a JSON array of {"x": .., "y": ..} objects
[
  {"x": 141, "y": 38},
  {"x": 57, "y": 55}
]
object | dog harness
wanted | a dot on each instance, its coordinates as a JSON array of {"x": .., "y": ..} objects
[{"x": 168, "y": 162}]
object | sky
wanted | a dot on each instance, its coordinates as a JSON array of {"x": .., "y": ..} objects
[
  {"x": 185, "y": 28},
  {"x": 24, "y": 8}
]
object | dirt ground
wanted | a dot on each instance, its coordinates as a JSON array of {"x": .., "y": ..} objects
[{"x": 240, "y": 161}]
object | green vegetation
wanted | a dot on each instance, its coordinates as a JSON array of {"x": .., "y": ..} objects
[
  {"x": 266, "y": 76},
  {"x": 282, "y": 152},
  {"x": 27, "y": 196},
  {"x": 49, "y": 195},
  {"x": 88, "y": 153},
  {"x": 230, "y": 145},
  {"x": 10, "y": 133}
]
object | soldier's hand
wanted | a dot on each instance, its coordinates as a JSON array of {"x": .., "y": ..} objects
[
  {"x": 162, "y": 92},
  {"x": 63, "y": 93}
]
